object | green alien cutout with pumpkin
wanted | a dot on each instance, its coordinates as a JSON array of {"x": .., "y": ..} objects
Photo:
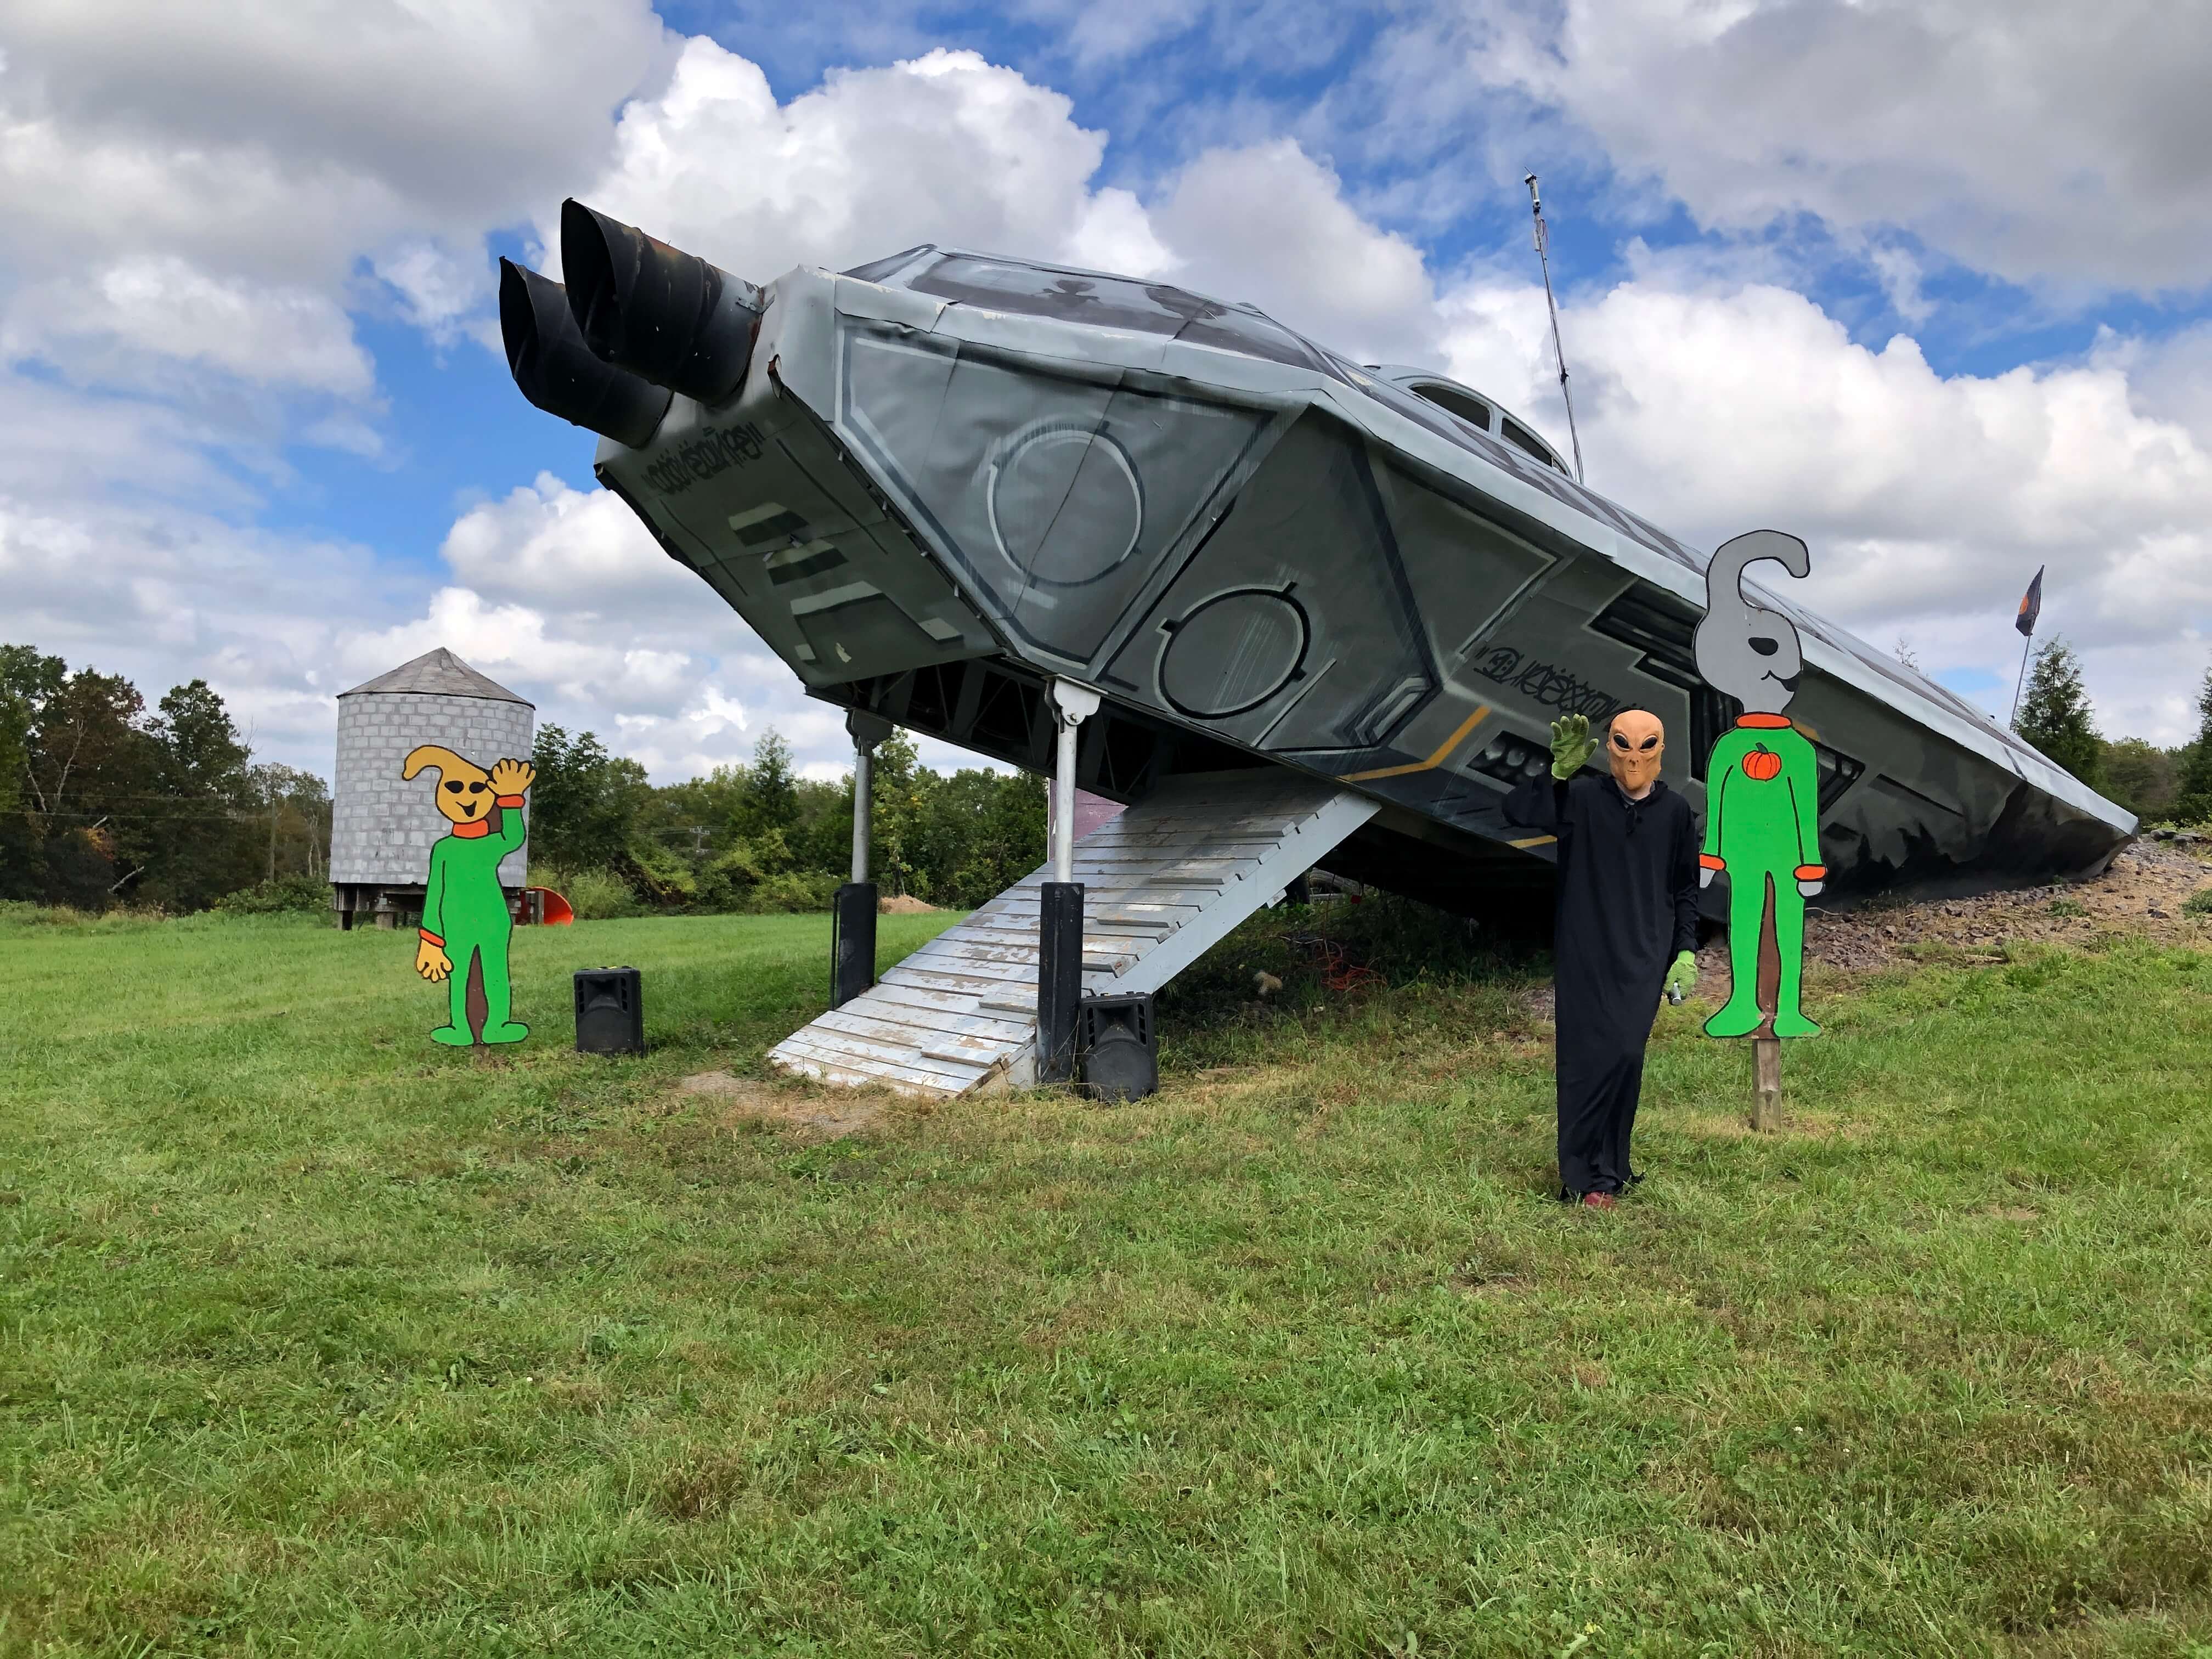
[{"x": 1762, "y": 787}]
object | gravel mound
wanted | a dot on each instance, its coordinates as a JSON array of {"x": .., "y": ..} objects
[{"x": 2140, "y": 891}]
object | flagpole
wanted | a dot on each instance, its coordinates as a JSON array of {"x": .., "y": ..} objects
[
  {"x": 2026, "y": 646},
  {"x": 2031, "y": 608},
  {"x": 1543, "y": 260}
]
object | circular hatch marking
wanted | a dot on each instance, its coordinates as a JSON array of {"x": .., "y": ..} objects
[
  {"x": 1234, "y": 651},
  {"x": 1064, "y": 505}
]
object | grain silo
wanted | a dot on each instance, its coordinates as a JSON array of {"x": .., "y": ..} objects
[{"x": 382, "y": 828}]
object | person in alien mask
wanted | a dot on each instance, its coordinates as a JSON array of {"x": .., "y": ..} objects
[{"x": 1625, "y": 931}]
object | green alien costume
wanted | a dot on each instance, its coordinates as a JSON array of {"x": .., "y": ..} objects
[
  {"x": 1762, "y": 828},
  {"x": 464, "y": 915}
]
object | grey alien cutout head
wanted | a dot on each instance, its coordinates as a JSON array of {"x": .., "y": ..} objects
[{"x": 1744, "y": 649}]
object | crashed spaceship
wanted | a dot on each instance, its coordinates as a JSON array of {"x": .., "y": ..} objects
[{"x": 933, "y": 483}]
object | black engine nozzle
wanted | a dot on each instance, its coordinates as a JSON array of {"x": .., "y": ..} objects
[
  {"x": 555, "y": 371},
  {"x": 655, "y": 310}
]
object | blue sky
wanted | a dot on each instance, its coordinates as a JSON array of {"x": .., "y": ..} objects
[{"x": 1925, "y": 283}]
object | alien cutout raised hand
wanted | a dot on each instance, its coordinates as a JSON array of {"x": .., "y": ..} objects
[
  {"x": 466, "y": 922},
  {"x": 1762, "y": 786}
]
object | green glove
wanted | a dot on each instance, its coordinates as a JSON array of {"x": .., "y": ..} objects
[
  {"x": 1572, "y": 746},
  {"x": 1681, "y": 977}
]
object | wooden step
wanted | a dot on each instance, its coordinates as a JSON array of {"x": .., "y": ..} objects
[{"x": 1163, "y": 882}]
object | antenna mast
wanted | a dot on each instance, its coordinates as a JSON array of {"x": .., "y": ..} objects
[{"x": 1544, "y": 259}]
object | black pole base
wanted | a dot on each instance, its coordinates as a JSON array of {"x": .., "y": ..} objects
[
  {"x": 851, "y": 941},
  {"x": 1060, "y": 978}
]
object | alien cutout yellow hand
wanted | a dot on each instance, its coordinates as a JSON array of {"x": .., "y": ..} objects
[{"x": 512, "y": 777}]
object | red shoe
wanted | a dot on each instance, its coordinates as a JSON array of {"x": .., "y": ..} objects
[{"x": 1599, "y": 1201}]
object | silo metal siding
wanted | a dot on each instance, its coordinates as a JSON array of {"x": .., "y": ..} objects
[{"x": 382, "y": 828}]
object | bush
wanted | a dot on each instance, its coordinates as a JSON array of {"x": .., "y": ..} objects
[
  {"x": 594, "y": 895},
  {"x": 24, "y": 914},
  {"x": 285, "y": 896},
  {"x": 728, "y": 880},
  {"x": 656, "y": 875},
  {"x": 2198, "y": 903},
  {"x": 795, "y": 892},
  {"x": 69, "y": 918}
]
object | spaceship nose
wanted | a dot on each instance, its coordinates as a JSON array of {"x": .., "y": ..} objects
[{"x": 655, "y": 310}]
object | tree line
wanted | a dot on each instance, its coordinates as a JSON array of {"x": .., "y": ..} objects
[
  {"x": 2157, "y": 785},
  {"x": 758, "y": 836},
  {"x": 105, "y": 801}
]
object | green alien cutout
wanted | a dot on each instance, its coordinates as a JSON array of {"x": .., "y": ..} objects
[
  {"x": 1762, "y": 787},
  {"x": 465, "y": 925}
]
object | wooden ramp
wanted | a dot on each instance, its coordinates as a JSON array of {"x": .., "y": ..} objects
[{"x": 1163, "y": 883}]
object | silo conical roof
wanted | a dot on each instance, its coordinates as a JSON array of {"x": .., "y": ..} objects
[{"x": 439, "y": 673}]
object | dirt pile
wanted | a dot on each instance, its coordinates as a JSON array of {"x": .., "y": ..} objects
[
  {"x": 812, "y": 1112},
  {"x": 2140, "y": 892}
]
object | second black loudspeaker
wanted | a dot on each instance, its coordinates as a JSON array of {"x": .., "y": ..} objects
[{"x": 1121, "y": 1052}]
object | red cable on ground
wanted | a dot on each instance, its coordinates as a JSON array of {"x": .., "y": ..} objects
[{"x": 1337, "y": 973}]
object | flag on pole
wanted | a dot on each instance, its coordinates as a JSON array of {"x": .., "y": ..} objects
[{"x": 2031, "y": 605}]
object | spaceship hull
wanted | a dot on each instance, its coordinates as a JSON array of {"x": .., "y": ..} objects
[{"x": 929, "y": 507}]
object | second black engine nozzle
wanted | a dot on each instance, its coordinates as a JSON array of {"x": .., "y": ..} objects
[
  {"x": 655, "y": 310},
  {"x": 558, "y": 374}
]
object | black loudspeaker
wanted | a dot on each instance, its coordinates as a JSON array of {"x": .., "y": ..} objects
[
  {"x": 1060, "y": 978},
  {"x": 1121, "y": 1051},
  {"x": 851, "y": 941},
  {"x": 609, "y": 1012}
]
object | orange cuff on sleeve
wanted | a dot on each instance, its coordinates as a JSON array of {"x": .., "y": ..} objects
[
  {"x": 429, "y": 937},
  {"x": 1711, "y": 862},
  {"x": 506, "y": 800},
  {"x": 1812, "y": 872}
]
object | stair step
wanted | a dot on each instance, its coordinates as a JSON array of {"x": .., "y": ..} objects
[{"x": 1163, "y": 882}]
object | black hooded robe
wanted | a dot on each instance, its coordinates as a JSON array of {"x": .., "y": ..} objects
[{"x": 1628, "y": 906}]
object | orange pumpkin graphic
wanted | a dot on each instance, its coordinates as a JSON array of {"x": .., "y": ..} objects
[{"x": 1762, "y": 764}]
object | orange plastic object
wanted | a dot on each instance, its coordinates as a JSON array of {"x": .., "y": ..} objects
[{"x": 556, "y": 912}]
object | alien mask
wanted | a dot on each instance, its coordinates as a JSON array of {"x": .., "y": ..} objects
[{"x": 1633, "y": 747}]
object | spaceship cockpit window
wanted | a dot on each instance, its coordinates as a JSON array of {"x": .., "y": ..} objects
[
  {"x": 1113, "y": 303},
  {"x": 1521, "y": 439},
  {"x": 1472, "y": 410}
]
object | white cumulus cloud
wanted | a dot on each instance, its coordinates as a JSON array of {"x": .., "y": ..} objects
[
  {"x": 944, "y": 148},
  {"x": 1929, "y": 500},
  {"x": 2047, "y": 142}
]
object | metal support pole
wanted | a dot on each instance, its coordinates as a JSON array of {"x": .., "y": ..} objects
[
  {"x": 1063, "y": 805},
  {"x": 853, "y": 912},
  {"x": 863, "y": 810},
  {"x": 1059, "y": 908},
  {"x": 1071, "y": 705}
]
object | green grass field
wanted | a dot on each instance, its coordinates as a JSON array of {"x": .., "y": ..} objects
[{"x": 314, "y": 1339}]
